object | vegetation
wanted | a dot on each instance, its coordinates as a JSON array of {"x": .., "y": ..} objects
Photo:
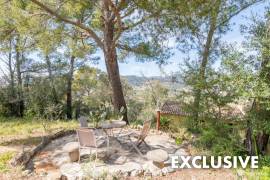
[
  {"x": 47, "y": 78},
  {"x": 29, "y": 126},
  {"x": 4, "y": 159}
]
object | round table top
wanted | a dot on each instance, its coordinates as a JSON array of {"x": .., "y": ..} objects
[{"x": 112, "y": 124}]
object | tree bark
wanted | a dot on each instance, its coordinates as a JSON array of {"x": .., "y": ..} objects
[
  {"x": 111, "y": 62},
  {"x": 262, "y": 141},
  {"x": 249, "y": 143},
  {"x": 69, "y": 88},
  {"x": 12, "y": 103},
  {"x": 20, "y": 101},
  {"x": 49, "y": 69},
  {"x": 205, "y": 57}
]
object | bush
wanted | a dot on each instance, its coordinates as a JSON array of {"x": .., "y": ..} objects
[
  {"x": 264, "y": 161},
  {"x": 220, "y": 139},
  {"x": 262, "y": 173},
  {"x": 4, "y": 159},
  {"x": 165, "y": 123}
]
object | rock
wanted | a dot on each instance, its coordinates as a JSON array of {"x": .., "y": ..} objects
[
  {"x": 157, "y": 155},
  {"x": 151, "y": 170},
  {"x": 120, "y": 160},
  {"x": 170, "y": 169},
  {"x": 59, "y": 161},
  {"x": 71, "y": 171},
  {"x": 138, "y": 172},
  {"x": 115, "y": 169},
  {"x": 131, "y": 166},
  {"x": 167, "y": 170},
  {"x": 73, "y": 150},
  {"x": 181, "y": 152},
  {"x": 54, "y": 175},
  {"x": 26, "y": 172},
  {"x": 99, "y": 172},
  {"x": 157, "y": 173},
  {"x": 164, "y": 171}
]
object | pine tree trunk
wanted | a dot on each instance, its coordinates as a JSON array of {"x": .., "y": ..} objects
[
  {"x": 249, "y": 143},
  {"x": 20, "y": 101},
  {"x": 262, "y": 141},
  {"x": 49, "y": 68},
  {"x": 110, "y": 57},
  {"x": 205, "y": 57},
  {"x": 69, "y": 88},
  {"x": 12, "y": 103}
]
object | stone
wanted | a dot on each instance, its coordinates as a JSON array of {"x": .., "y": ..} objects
[
  {"x": 115, "y": 169},
  {"x": 54, "y": 175},
  {"x": 73, "y": 151},
  {"x": 164, "y": 171},
  {"x": 151, "y": 170},
  {"x": 131, "y": 166},
  {"x": 157, "y": 155},
  {"x": 71, "y": 146},
  {"x": 138, "y": 172},
  {"x": 120, "y": 160},
  {"x": 181, "y": 152},
  {"x": 157, "y": 173},
  {"x": 26, "y": 172},
  {"x": 71, "y": 171},
  {"x": 167, "y": 170},
  {"x": 170, "y": 169},
  {"x": 59, "y": 161}
]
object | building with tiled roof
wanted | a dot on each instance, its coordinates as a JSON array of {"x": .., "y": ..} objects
[{"x": 174, "y": 108}]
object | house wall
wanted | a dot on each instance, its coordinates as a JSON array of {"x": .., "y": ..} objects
[{"x": 175, "y": 120}]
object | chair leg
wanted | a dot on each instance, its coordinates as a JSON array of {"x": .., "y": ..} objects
[
  {"x": 135, "y": 147},
  {"x": 108, "y": 145},
  {"x": 139, "y": 142},
  {"x": 147, "y": 144},
  {"x": 79, "y": 155},
  {"x": 95, "y": 159},
  {"x": 90, "y": 154}
]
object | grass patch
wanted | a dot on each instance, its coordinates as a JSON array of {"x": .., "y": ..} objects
[
  {"x": 28, "y": 141},
  {"x": 262, "y": 173},
  {"x": 30, "y": 126},
  {"x": 4, "y": 159}
]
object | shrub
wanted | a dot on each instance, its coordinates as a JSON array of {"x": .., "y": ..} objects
[
  {"x": 164, "y": 123},
  {"x": 220, "y": 139},
  {"x": 4, "y": 159}
]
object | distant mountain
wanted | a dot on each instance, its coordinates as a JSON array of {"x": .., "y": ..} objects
[{"x": 167, "y": 80}]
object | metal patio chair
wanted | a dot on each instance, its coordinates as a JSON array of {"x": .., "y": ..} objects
[
  {"x": 83, "y": 121},
  {"x": 88, "y": 140},
  {"x": 140, "y": 137}
]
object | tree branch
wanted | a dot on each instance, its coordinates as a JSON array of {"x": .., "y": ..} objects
[
  {"x": 78, "y": 24},
  {"x": 237, "y": 12},
  {"x": 142, "y": 20}
]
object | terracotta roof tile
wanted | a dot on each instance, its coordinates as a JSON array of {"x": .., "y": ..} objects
[{"x": 172, "y": 107}]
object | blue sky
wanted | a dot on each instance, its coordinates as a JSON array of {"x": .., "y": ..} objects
[{"x": 151, "y": 69}]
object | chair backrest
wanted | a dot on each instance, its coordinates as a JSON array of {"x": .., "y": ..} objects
[
  {"x": 86, "y": 137},
  {"x": 83, "y": 121},
  {"x": 145, "y": 129}
]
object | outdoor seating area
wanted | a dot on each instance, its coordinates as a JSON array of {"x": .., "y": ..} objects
[{"x": 112, "y": 148}]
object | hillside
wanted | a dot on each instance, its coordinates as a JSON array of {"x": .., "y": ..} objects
[{"x": 168, "y": 81}]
